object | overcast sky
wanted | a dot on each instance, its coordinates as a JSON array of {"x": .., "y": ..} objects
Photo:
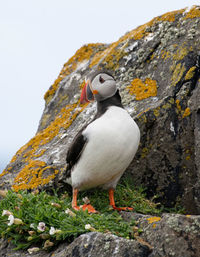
[{"x": 38, "y": 36}]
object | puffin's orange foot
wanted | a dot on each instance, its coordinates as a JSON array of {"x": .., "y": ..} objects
[
  {"x": 77, "y": 208},
  {"x": 88, "y": 207},
  {"x": 122, "y": 208}
]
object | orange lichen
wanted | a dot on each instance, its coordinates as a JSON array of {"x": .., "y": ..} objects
[
  {"x": 193, "y": 13},
  {"x": 184, "y": 113},
  {"x": 178, "y": 105},
  {"x": 153, "y": 220},
  {"x": 143, "y": 90},
  {"x": 111, "y": 55},
  {"x": 30, "y": 175},
  {"x": 170, "y": 16},
  {"x": 82, "y": 85}
]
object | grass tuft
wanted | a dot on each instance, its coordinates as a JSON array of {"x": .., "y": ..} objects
[{"x": 43, "y": 220}]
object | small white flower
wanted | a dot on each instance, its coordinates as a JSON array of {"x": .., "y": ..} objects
[
  {"x": 11, "y": 220},
  {"x": 32, "y": 225},
  {"x": 87, "y": 226},
  {"x": 52, "y": 231},
  {"x": 70, "y": 213},
  {"x": 41, "y": 226},
  {"x": 33, "y": 250},
  {"x": 6, "y": 212}
]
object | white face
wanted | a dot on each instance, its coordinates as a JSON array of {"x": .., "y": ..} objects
[{"x": 103, "y": 86}]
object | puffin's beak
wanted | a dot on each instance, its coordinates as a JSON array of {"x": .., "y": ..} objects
[{"x": 86, "y": 95}]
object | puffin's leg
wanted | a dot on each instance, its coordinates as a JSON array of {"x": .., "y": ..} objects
[
  {"x": 112, "y": 202},
  {"x": 74, "y": 199},
  {"x": 84, "y": 207}
]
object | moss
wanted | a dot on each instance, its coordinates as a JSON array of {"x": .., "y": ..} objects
[
  {"x": 190, "y": 73},
  {"x": 143, "y": 90}
]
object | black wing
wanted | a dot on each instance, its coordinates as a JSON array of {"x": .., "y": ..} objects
[{"x": 75, "y": 150}]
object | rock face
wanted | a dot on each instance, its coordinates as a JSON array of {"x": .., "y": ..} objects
[
  {"x": 170, "y": 235},
  {"x": 157, "y": 69}
]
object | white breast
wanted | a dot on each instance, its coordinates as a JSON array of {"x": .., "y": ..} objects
[{"x": 113, "y": 140}]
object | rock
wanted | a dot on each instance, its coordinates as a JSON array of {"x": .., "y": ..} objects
[
  {"x": 91, "y": 244},
  {"x": 97, "y": 244},
  {"x": 169, "y": 235},
  {"x": 157, "y": 68}
]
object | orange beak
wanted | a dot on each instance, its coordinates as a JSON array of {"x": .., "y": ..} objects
[
  {"x": 83, "y": 98},
  {"x": 87, "y": 95}
]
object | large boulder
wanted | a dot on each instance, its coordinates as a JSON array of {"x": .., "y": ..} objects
[{"x": 156, "y": 67}]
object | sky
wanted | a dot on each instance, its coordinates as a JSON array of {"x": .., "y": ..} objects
[{"x": 38, "y": 36}]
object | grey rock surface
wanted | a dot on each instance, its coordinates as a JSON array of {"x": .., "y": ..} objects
[
  {"x": 157, "y": 69},
  {"x": 171, "y": 234}
]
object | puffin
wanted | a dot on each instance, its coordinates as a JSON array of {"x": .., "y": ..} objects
[{"x": 103, "y": 149}]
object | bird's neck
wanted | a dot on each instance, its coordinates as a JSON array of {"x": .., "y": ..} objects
[{"x": 102, "y": 106}]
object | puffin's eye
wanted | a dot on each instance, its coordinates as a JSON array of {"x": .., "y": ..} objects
[{"x": 101, "y": 80}]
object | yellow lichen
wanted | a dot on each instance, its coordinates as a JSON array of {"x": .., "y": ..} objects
[
  {"x": 180, "y": 53},
  {"x": 188, "y": 157},
  {"x": 193, "y": 13},
  {"x": 143, "y": 90},
  {"x": 177, "y": 73},
  {"x": 156, "y": 111},
  {"x": 190, "y": 73},
  {"x": 165, "y": 55},
  {"x": 144, "y": 152}
]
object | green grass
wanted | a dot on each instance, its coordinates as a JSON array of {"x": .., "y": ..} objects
[{"x": 34, "y": 208}]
